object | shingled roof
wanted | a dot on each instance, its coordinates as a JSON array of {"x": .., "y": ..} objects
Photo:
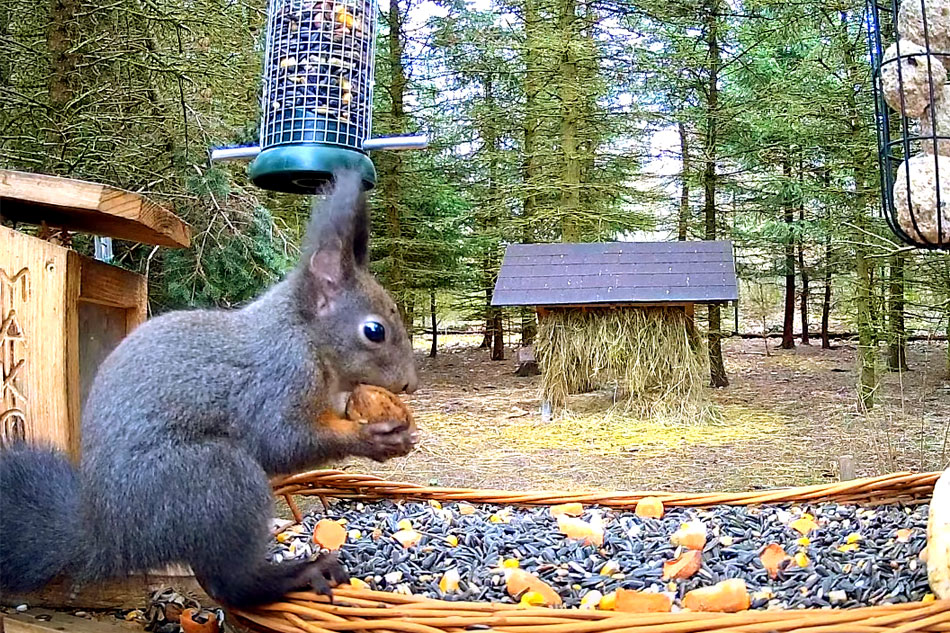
[{"x": 616, "y": 272}]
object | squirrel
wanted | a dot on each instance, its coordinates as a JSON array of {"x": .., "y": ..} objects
[{"x": 189, "y": 416}]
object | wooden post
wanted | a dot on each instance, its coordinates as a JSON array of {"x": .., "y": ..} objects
[{"x": 846, "y": 467}]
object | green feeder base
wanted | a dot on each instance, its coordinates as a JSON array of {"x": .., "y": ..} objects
[{"x": 306, "y": 167}]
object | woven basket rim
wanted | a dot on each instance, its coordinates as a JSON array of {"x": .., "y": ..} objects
[
  {"x": 378, "y": 611},
  {"x": 903, "y": 486}
]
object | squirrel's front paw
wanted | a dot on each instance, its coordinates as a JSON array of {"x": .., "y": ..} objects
[
  {"x": 323, "y": 574},
  {"x": 387, "y": 439}
]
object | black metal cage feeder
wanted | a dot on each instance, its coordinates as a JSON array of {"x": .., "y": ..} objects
[
  {"x": 317, "y": 96},
  {"x": 910, "y": 56}
]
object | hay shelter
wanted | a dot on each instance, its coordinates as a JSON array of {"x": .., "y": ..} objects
[{"x": 620, "y": 315}]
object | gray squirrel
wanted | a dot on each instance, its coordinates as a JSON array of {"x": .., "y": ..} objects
[{"x": 191, "y": 413}]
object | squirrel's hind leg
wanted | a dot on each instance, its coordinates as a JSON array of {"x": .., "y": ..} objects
[{"x": 228, "y": 504}]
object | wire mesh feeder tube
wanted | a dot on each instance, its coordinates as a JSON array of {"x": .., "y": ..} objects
[
  {"x": 317, "y": 93},
  {"x": 366, "y": 610},
  {"x": 910, "y": 51}
]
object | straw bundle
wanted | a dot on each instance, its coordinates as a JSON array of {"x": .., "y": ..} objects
[{"x": 652, "y": 356}]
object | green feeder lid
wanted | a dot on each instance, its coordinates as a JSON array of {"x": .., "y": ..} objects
[{"x": 306, "y": 167}]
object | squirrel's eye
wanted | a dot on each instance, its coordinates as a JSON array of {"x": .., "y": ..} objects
[{"x": 374, "y": 331}]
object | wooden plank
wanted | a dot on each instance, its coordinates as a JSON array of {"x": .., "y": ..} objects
[
  {"x": 101, "y": 329},
  {"x": 71, "y": 353},
  {"x": 127, "y": 593},
  {"x": 33, "y": 405},
  {"x": 27, "y": 623},
  {"x": 89, "y": 207},
  {"x": 110, "y": 285}
]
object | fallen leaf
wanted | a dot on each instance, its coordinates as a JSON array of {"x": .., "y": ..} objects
[
  {"x": 466, "y": 508},
  {"x": 774, "y": 558},
  {"x": 519, "y": 581},
  {"x": 903, "y": 535},
  {"x": 691, "y": 535},
  {"x": 683, "y": 566},
  {"x": 642, "y": 602},
  {"x": 329, "y": 534},
  {"x": 532, "y": 599},
  {"x": 452, "y": 540},
  {"x": 570, "y": 509},
  {"x": 359, "y": 584},
  {"x": 728, "y": 596},
  {"x": 650, "y": 508}
]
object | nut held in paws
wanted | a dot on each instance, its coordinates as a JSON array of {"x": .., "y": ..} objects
[{"x": 369, "y": 403}]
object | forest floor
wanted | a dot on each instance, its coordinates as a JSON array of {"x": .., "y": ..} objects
[{"x": 786, "y": 418}]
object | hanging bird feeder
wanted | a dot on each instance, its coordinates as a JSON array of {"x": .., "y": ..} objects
[
  {"x": 910, "y": 58},
  {"x": 319, "y": 61}
]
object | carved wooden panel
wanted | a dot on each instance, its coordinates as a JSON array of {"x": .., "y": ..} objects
[{"x": 33, "y": 306}]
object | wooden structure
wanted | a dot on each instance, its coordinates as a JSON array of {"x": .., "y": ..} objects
[
  {"x": 61, "y": 313},
  {"x": 618, "y": 303},
  {"x": 616, "y": 274}
]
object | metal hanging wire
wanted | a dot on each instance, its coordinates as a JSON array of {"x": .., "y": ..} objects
[{"x": 910, "y": 52}]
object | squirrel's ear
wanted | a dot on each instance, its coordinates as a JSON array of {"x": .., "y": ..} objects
[
  {"x": 326, "y": 271},
  {"x": 341, "y": 221}
]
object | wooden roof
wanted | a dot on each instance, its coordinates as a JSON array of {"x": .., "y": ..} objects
[
  {"x": 616, "y": 272},
  {"x": 88, "y": 207}
]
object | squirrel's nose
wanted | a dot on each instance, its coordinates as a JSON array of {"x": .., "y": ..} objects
[{"x": 412, "y": 385}]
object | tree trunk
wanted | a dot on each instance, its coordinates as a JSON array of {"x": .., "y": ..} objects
[
  {"x": 61, "y": 39},
  {"x": 867, "y": 338},
  {"x": 570, "y": 185},
  {"x": 435, "y": 326},
  {"x": 529, "y": 327},
  {"x": 867, "y": 346},
  {"x": 788, "y": 326},
  {"x": 803, "y": 273},
  {"x": 717, "y": 368},
  {"x": 391, "y": 166},
  {"x": 498, "y": 331},
  {"x": 896, "y": 334},
  {"x": 683, "y": 223},
  {"x": 532, "y": 60},
  {"x": 489, "y": 321},
  {"x": 826, "y": 304}
]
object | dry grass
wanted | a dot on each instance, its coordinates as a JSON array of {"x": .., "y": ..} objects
[
  {"x": 652, "y": 358},
  {"x": 784, "y": 421}
]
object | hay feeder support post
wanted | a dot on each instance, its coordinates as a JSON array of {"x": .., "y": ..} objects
[{"x": 317, "y": 97}]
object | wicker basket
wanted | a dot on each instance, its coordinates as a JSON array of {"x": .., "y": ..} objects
[{"x": 363, "y": 610}]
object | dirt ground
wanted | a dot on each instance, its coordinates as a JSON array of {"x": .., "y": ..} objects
[{"x": 786, "y": 419}]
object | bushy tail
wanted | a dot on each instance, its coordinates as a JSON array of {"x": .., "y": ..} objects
[{"x": 39, "y": 517}]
